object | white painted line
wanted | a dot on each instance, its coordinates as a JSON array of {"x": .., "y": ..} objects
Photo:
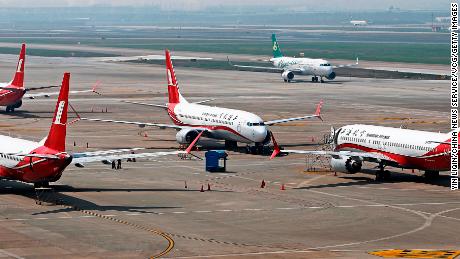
[
  {"x": 178, "y": 212},
  {"x": 224, "y": 210},
  {"x": 202, "y": 211},
  {"x": 133, "y": 214},
  {"x": 65, "y": 217}
]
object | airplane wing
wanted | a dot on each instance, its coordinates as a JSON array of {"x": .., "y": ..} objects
[
  {"x": 140, "y": 124},
  {"x": 317, "y": 114},
  {"x": 162, "y": 105},
  {"x": 106, "y": 157},
  {"x": 365, "y": 156},
  {"x": 148, "y": 104},
  {"x": 259, "y": 68},
  {"x": 37, "y": 95},
  {"x": 348, "y": 65}
]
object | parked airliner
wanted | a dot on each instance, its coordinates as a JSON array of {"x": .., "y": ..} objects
[
  {"x": 291, "y": 66},
  {"x": 12, "y": 93},
  {"x": 43, "y": 162},
  {"x": 386, "y": 146},
  {"x": 194, "y": 120}
]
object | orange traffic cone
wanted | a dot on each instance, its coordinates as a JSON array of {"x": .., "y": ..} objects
[
  {"x": 202, "y": 190},
  {"x": 282, "y": 187},
  {"x": 209, "y": 187},
  {"x": 145, "y": 134},
  {"x": 262, "y": 185}
]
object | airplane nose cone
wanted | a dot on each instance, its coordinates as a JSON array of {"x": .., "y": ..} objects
[{"x": 260, "y": 133}]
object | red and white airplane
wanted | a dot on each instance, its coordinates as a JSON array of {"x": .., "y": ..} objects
[
  {"x": 386, "y": 146},
  {"x": 43, "y": 162},
  {"x": 12, "y": 93},
  {"x": 194, "y": 120}
]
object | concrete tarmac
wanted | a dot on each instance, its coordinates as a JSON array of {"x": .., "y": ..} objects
[{"x": 144, "y": 209}]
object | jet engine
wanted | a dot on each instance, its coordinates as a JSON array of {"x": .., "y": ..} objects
[
  {"x": 346, "y": 165},
  {"x": 287, "y": 76},
  {"x": 186, "y": 136},
  {"x": 17, "y": 105},
  {"x": 331, "y": 76}
]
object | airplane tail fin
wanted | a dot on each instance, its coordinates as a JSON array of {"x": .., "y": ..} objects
[
  {"x": 57, "y": 134},
  {"x": 276, "y": 48},
  {"x": 173, "y": 88},
  {"x": 18, "y": 79}
]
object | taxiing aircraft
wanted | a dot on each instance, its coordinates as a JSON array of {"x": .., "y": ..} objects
[
  {"x": 291, "y": 66},
  {"x": 194, "y": 120},
  {"x": 359, "y": 22},
  {"x": 12, "y": 93},
  {"x": 43, "y": 162},
  {"x": 386, "y": 146}
]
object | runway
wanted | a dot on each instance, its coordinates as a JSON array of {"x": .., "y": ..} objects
[{"x": 145, "y": 210}]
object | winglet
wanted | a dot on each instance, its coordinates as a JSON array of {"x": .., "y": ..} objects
[
  {"x": 189, "y": 149},
  {"x": 357, "y": 61},
  {"x": 318, "y": 110},
  {"x": 95, "y": 87},
  {"x": 276, "y": 148}
]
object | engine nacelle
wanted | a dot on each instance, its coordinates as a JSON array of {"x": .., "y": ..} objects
[
  {"x": 287, "y": 75},
  {"x": 18, "y": 104},
  {"x": 346, "y": 165},
  {"x": 186, "y": 136},
  {"x": 331, "y": 76}
]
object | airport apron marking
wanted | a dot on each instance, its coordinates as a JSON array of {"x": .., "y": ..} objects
[{"x": 408, "y": 253}]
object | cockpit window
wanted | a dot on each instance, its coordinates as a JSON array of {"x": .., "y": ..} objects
[
  {"x": 253, "y": 124},
  {"x": 325, "y": 65}
]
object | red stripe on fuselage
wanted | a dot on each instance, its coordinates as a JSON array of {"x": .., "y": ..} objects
[
  {"x": 41, "y": 170},
  {"x": 177, "y": 121},
  {"x": 8, "y": 97},
  {"x": 438, "y": 161}
]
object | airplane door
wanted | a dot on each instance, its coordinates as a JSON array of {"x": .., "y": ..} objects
[{"x": 238, "y": 127}]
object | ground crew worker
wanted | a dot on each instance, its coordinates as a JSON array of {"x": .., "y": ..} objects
[
  {"x": 119, "y": 164},
  {"x": 113, "y": 164}
]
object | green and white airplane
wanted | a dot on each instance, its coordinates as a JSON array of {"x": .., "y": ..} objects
[{"x": 290, "y": 66}]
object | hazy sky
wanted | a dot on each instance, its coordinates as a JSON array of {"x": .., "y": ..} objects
[{"x": 333, "y": 5}]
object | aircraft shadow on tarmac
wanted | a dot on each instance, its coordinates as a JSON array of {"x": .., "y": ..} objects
[
  {"x": 303, "y": 81},
  {"x": 74, "y": 203},
  {"x": 23, "y": 114},
  {"x": 442, "y": 180}
]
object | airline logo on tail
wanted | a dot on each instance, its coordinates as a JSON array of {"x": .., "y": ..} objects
[
  {"x": 59, "y": 113},
  {"x": 275, "y": 47},
  {"x": 20, "y": 65},
  {"x": 170, "y": 80}
]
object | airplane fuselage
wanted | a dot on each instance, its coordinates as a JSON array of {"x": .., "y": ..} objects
[
  {"x": 412, "y": 149},
  {"x": 305, "y": 66},
  {"x": 11, "y": 97},
  {"x": 221, "y": 123},
  {"x": 30, "y": 169}
]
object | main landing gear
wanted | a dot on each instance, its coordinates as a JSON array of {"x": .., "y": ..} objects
[
  {"x": 231, "y": 145},
  {"x": 10, "y": 108},
  {"x": 382, "y": 174},
  {"x": 315, "y": 79},
  {"x": 44, "y": 194}
]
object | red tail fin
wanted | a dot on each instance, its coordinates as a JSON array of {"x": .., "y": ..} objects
[
  {"x": 18, "y": 79},
  {"x": 57, "y": 134},
  {"x": 173, "y": 88}
]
